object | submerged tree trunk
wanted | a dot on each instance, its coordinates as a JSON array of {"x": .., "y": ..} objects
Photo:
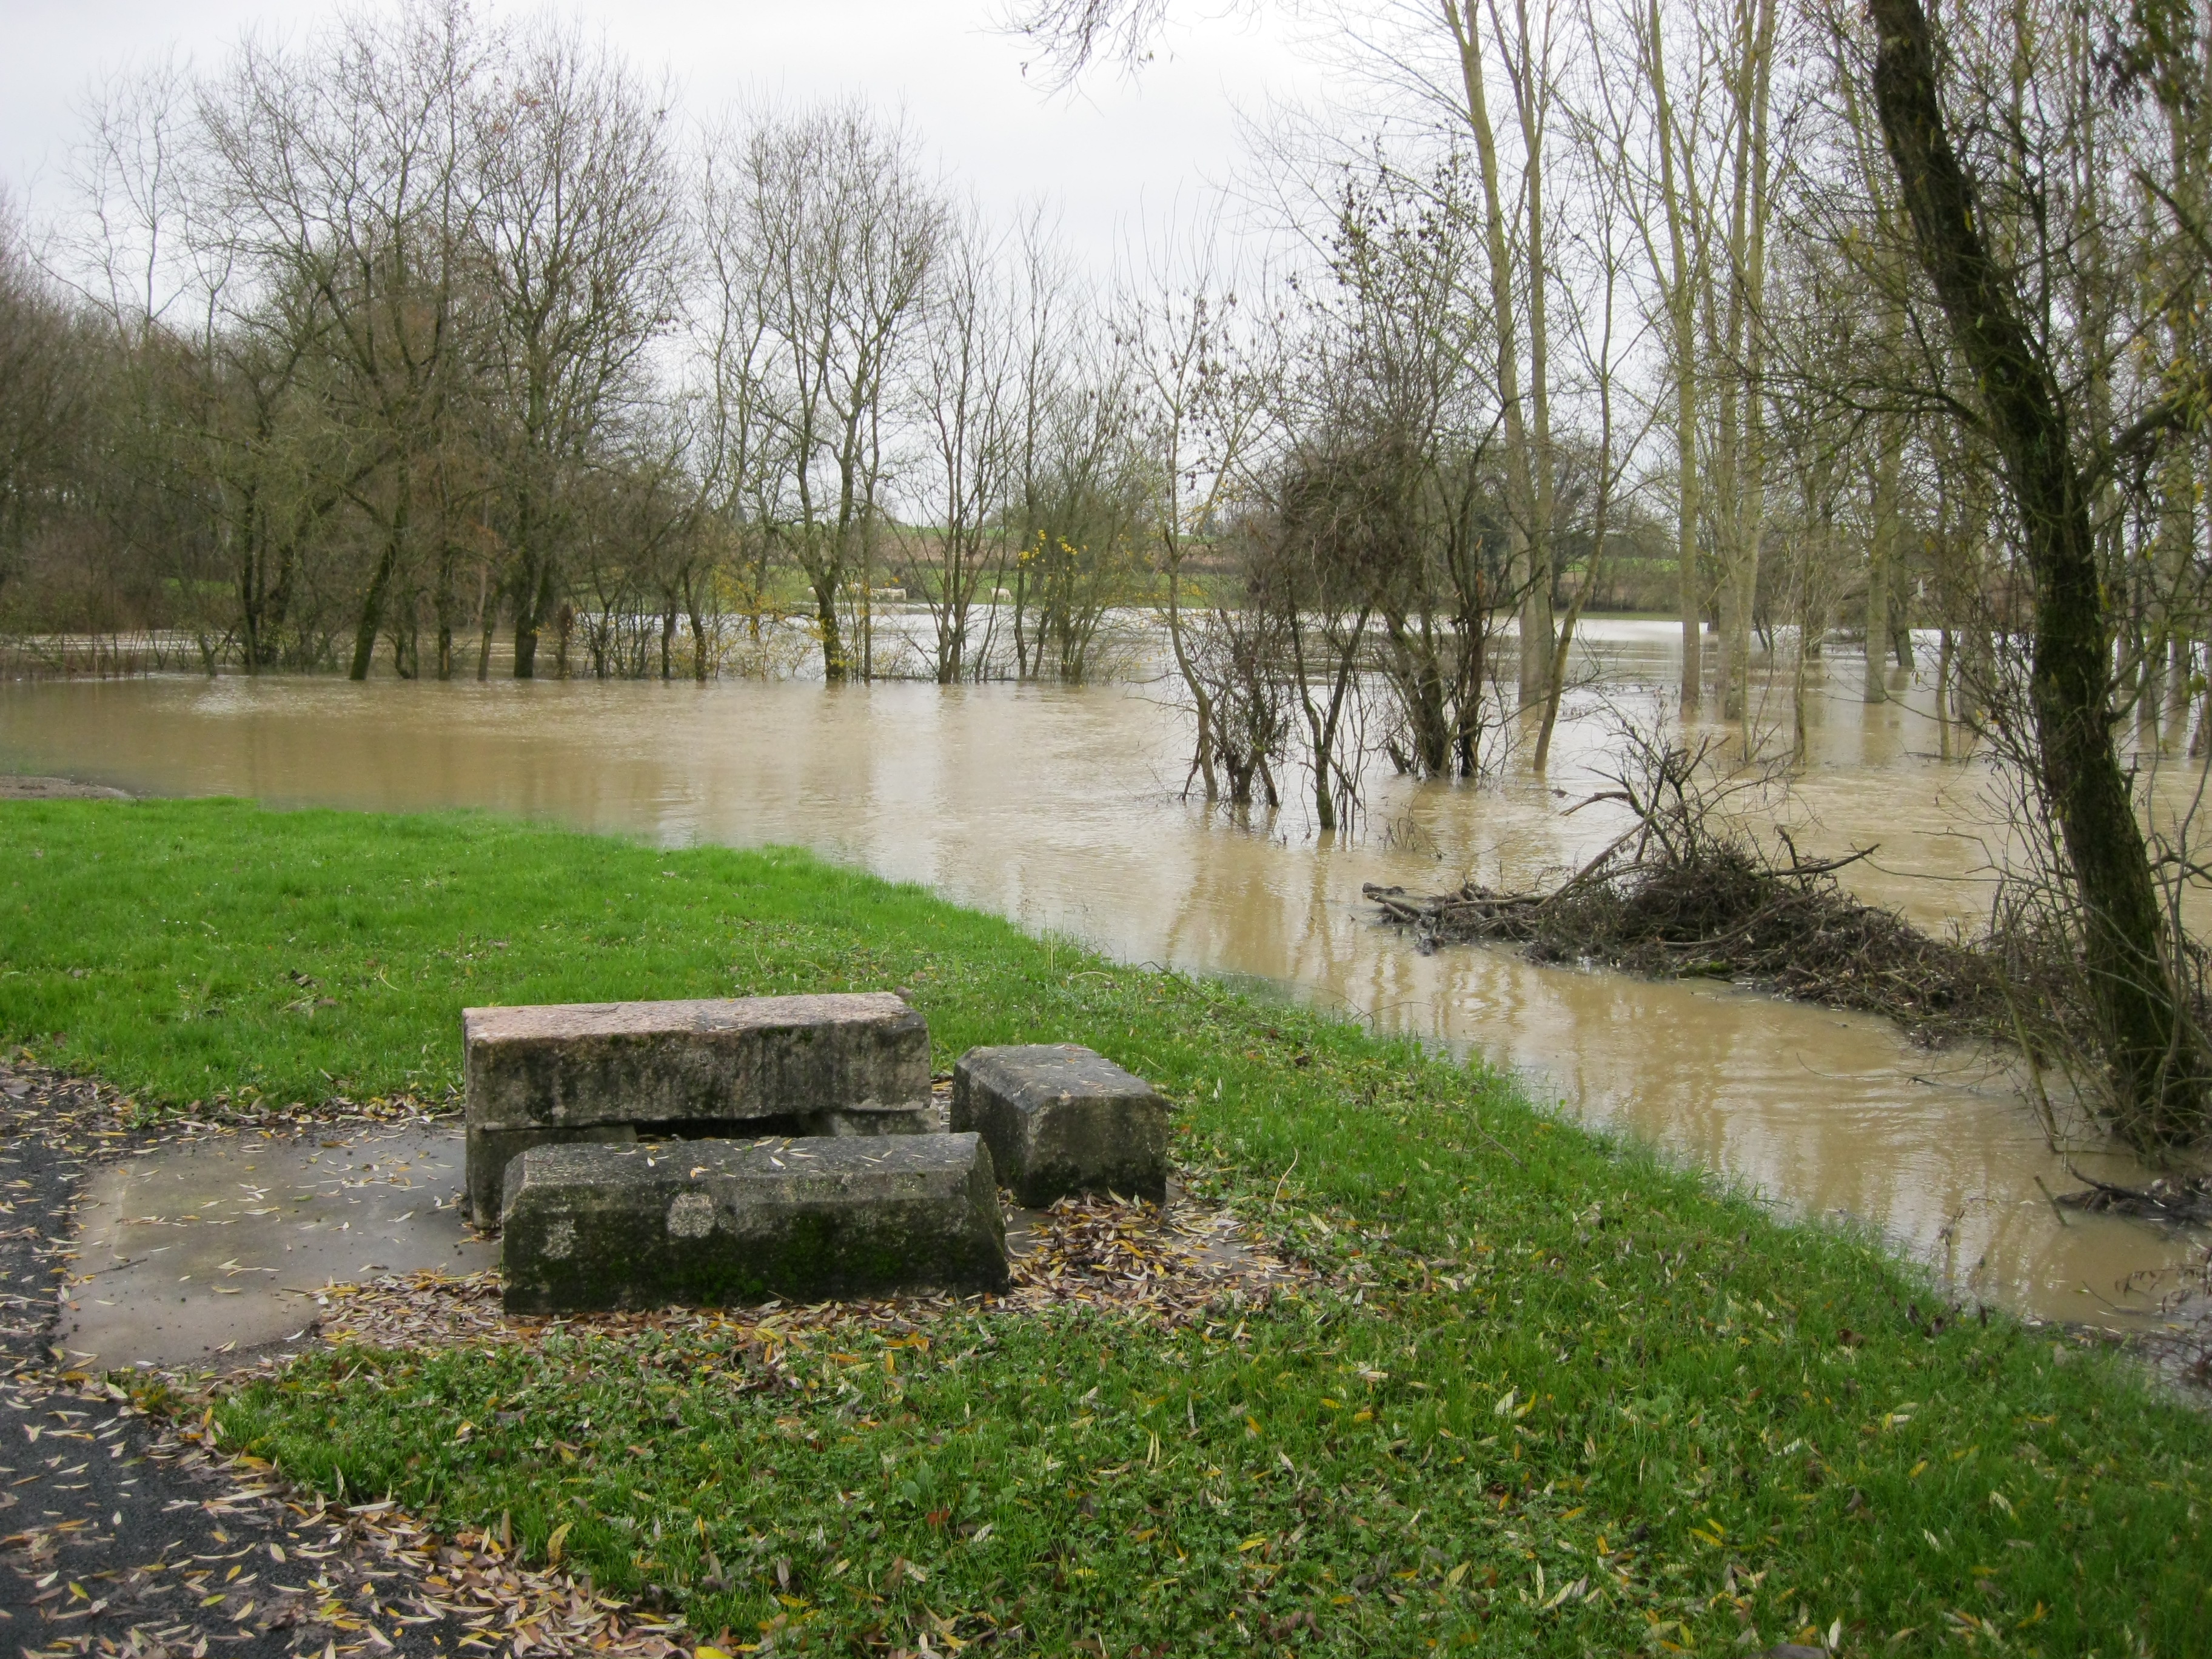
[
  {"x": 1202, "y": 703},
  {"x": 2157, "y": 1071},
  {"x": 446, "y": 603},
  {"x": 372, "y": 604},
  {"x": 1881, "y": 558},
  {"x": 488, "y": 615},
  {"x": 1944, "y": 664},
  {"x": 1555, "y": 686},
  {"x": 834, "y": 668}
]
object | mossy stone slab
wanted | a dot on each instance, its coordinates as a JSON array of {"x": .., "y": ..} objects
[
  {"x": 853, "y": 1063},
  {"x": 1059, "y": 1119},
  {"x": 589, "y": 1227}
]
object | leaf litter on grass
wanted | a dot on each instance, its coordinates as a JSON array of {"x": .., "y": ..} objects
[
  {"x": 1126, "y": 1257},
  {"x": 367, "y": 1573},
  {"x": 1171, "y": 1266}
]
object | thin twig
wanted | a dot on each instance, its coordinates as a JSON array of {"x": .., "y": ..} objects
[{"x": 2055, "y": 1208}]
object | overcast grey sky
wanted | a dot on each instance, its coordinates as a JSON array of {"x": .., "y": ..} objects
[{"x": 1110, "y": 154}]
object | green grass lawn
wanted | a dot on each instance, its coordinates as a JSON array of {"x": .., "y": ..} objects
[{"x": 1554, "y": 1397}]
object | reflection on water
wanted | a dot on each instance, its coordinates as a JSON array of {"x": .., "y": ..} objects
[{"x": 1063, "y": 809}]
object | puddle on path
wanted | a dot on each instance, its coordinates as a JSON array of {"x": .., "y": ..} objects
[{"x": 195, "y": 1249}]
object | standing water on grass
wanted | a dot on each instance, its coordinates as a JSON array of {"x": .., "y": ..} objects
[{"x": 1063, "y": 809}]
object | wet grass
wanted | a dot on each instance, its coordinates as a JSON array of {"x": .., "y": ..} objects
[
  {"x": 1554, "y": 1397},
  {"x": 205, "y": 951}
]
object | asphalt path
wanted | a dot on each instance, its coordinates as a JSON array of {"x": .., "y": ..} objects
[{"x": 124, "y": 1534}]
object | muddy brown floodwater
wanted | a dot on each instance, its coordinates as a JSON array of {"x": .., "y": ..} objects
[{"x": 1062, "y": 809}]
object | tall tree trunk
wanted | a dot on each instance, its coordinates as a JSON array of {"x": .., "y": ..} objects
[
  {"x": 1945, "y": 645},
  {"x": 1201, "y": 702},
  {"x": 1726, "y": 492},
  {"x": 1680, "y": 293},
  {"x": 535, "y": 583},
  {"x": 1747, "y": 216},
  {"x": 2157, "y": 1071},
  {"x": 372, "y": 604},
  {"x": 1531, "y": 93},
  {"x": 834, "y": 668},
  {"x": 371, "y": 615},
  {"x": 447, "y": 606},
  {"x": 526, "y": 604},
  {"x": 1520, "y": 503},
  {"x": 1882, "y": 559},
  {"x": 692, "y": 585},
  {"x": 2179, "y": 661},
  {"x": 2165, "y": 702},
  {"x": 1555, "y": 686}
]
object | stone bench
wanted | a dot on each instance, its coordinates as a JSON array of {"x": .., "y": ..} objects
[
  {"x": 711, "y": 1222},
  {"x": 614, "y": 1072},
  {"x": 1061, "y": 1118}
]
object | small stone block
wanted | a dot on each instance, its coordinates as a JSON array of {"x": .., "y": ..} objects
[
  {"x": 1061, "y": 1118},
  {"x": 590, "y": 1227},
  {"x": 852, "y": 1064}
]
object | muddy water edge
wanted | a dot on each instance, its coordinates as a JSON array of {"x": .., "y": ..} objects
[{"x": 1063, "y": 809}]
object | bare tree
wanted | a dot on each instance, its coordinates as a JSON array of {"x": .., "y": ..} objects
[
  {"x": 580, "y": 223},
  {"x": 1739, "y": 322},
  {"x": 1605, "y": 346},
  {"x": 1417, "y": 395},
  {"x": 1520, "y": 281},
  {"x": 965, "y": 392},
  {"x": 341, "y": 179},
  {"x": 1081, "y": 498},
  {"x": 730, "y": 341},
  {"x": 1679, "y": 276},
  {"x": 831, "y": 232},
  {"x": 1337, "y": 532},
  {"x": 43, "y": 405},
  {"x": 1201, "y": 385},
  {"x": 227, "y": 462}
]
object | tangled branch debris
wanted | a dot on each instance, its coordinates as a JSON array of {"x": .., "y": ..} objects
[
  {"x": 1730, "y": 914},
  {"x": 1683, "y": 894},
  {"x": 2178, "y": 1200}
]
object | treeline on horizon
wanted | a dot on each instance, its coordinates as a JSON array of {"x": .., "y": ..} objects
[{"x": 358, "y": 350}]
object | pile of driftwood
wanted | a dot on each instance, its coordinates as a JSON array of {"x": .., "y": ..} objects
[{"x": 1700, "y": 905}]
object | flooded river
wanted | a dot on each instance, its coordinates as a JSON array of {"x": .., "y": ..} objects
[{"x": 1063, "y": 810}]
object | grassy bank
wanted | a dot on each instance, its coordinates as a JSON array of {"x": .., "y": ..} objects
[{"x": 1552, "y": 1397}]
